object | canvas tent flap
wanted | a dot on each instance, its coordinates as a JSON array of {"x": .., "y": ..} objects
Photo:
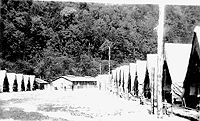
[
  {"x": 2, "y": 76},
  {"x": 11, "y": 78},
  {"x": 122, "y": 75},
  {"x": 152, "y": 64},
  {"x": 26, "y": 78},
  {"x": 114, "y": 78},
  {"x": 141, "y": 70},
  {"x": 197, "y": 32},
  {"x": 126, "y": 74},
  {"x": 177, "y": 91},
  {"x": 117, "y": 74},
  {"x": 19, "y": 80},
  {"x": 132, "y": 72},
  {"x": 114, "y": 74},
  {"x": 177, "y": 58},
  {"x": 32, "y": 78}
]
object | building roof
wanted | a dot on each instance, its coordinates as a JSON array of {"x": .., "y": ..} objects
[
  {"x": 38, "y": 80},
  {"x": 177, "y": 58},
  {"x": 79, "y": 78},
  {"x": 62, "y": 80}
]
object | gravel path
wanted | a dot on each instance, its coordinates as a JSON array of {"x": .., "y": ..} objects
[{"x": 77, "y": 105}]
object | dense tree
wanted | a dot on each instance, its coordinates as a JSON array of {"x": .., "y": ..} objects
[{"x": 50, "y": 39}]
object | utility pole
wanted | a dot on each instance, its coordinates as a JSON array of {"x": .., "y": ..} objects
[{"x": 160, "y": 32}]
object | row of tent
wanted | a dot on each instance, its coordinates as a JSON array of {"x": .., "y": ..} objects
[
  {"x": 10, "y": 82},
  {"x": 180, "y": 79}
]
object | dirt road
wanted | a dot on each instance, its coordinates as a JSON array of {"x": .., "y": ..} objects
[{"x": 77, "y": 105}]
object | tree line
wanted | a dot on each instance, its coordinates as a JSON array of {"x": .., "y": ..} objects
[{"x": 50, "y": 39}]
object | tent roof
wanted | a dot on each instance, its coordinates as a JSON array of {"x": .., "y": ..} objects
[
  {"x": 118, "y": 73},
  {"x": 114, "y": 76},
  {"x": 126, "y": 73},
  {"x": 196, "y": 39},
  {"x": 141, "y": 69},
  {"x": 132, "y": 69},
  {"x": 38, "y": 80},
  {"x": 132, "y": 73},
  {"x": 177, "y": 58},
  {"x": 151, "y": 63}
]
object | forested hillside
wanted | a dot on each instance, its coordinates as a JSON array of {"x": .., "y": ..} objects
[{"x": 51, "y": 39}]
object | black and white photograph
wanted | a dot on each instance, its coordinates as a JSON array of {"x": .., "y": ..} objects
[{"x": 99, "y": 60}]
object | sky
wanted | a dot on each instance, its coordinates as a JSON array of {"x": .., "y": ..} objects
[{"x": 168, "y": 2}]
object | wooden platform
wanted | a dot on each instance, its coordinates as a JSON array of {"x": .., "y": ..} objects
[{"x": 190, "y": 114}]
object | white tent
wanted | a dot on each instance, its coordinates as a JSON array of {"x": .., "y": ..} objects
[
  {"x": 118, "y": 77},
  {"x": 113, "y": 81},
  {"x": 19, "y": 81},
  {"x": 103, "y": 81},
  {"x": 126, "y": 76},
  {"x": 152, "y": 67},
  {"x": 32, "y": 78},
  {"x": 197, "y": 31},
  {"x": 122, "y": 77},
  {"x": 141, "y": 69},
  {"x": 152, "y": 71},
  {"x": 11, "y": 78},
  {"x": 26, "y": 78},
  {"x": 177, "y": 58},
  {"x": 117, "y": 74},
  {"x": 2, "y": 76},
  {"x": 132, "y": 72}
]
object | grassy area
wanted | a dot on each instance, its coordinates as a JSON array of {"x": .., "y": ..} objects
[{"x": 19, "y": 114}]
